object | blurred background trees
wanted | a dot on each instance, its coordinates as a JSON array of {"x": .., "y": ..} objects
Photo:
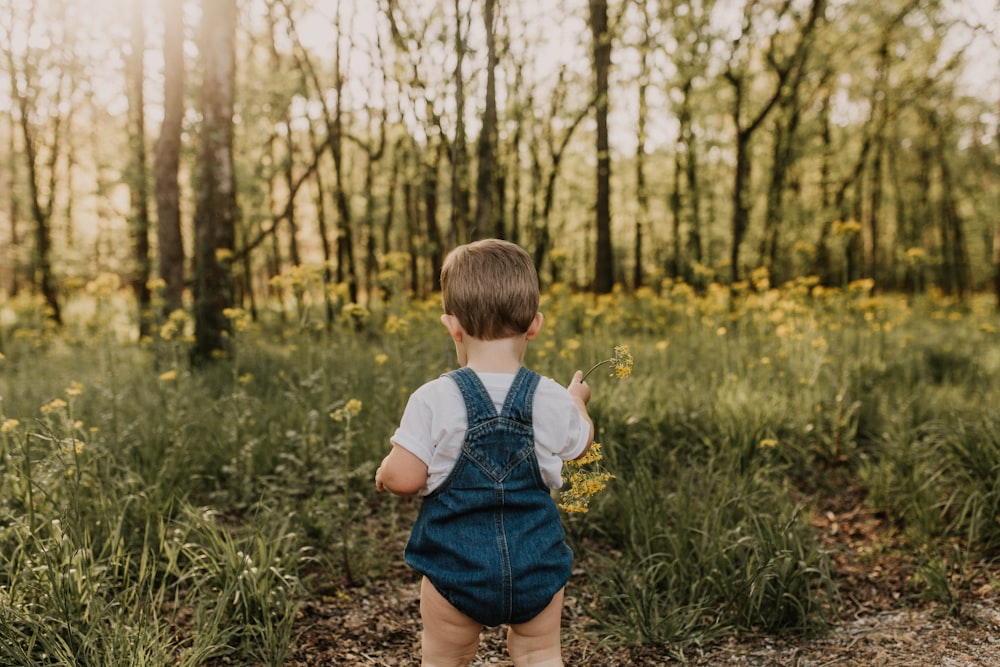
[{"x": 621, "y": 141}]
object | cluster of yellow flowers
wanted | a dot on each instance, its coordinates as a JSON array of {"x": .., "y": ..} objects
[
  {"x": 584, "y": 482},
  {"x": 351, "y": 409},
  {"x": 587, "y": 478},
  {"x": 621, "y": 363}
]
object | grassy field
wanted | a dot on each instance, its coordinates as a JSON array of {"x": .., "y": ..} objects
[{"x": 155, "y": 515}]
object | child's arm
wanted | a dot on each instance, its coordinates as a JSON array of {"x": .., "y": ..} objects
[
  {"x": 580, "y": 392},
  {"x": 401, "y": 472}
]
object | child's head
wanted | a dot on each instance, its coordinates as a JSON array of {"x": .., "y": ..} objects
[{"x": 491, "y": 286}]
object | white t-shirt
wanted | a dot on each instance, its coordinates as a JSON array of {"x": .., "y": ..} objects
[{"x": 434, "y": 423}]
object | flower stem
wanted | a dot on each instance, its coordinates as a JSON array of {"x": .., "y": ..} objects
[{"x": 592, "y": 368}]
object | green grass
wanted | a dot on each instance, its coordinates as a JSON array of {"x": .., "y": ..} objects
[{"x": 153, "y": 514}]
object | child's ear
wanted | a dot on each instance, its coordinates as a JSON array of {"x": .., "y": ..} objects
[
  {"x": 535, "y": 327},
  {"x": 451, "y": 323}
]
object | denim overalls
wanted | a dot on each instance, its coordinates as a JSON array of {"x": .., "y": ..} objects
[{"x": 490, "y": 537}]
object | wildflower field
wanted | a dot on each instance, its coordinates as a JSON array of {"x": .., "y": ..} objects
[{"x": 151, "y": 514}]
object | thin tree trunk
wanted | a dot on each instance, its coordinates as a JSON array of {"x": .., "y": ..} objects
[
  {"x": 167, "y": 158},
  {"x": 788, "y": 77},
  {"x": 346, "y": 267},
  {"x": 460, "y": 154},
  {"x": 871, "y": 242},
  {"x": 216, "y": 193},
  {"x": 956, "y": 256},
  {"x": 429, "y": 186},
  {"x": 324, "y": 234},
  {"x": 138, "y": 177},
  {"x": 41, "y": 213},
  {"x": 488, "y": 213},
  {"x": 604, "y": 253},
  {"x": 14, "y": 261}
]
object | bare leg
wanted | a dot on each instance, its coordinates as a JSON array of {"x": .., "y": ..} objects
[
  {"x": 537, "y": 643},
  {"x": 450, "y": 638}
]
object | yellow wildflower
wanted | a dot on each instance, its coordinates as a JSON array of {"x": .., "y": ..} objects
[
  {"x": 846, "y": 227},
  {"x": 239, "y": 317},
  {"x": 74, "y": 389},
  {"x": 381, "y": 358},
  {"x": 168, "y": 376},
  {"x": 584, "y": 484},
  {"x": 396, "y": 325},
  {"x": 52, "y": 406},
  {"x": 351, "y": 409},
  {"x": 621, "y": 363},
  {"x": 9, "y": 425}
]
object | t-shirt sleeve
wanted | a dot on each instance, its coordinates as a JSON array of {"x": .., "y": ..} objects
[
  {"x": 415, "y": 431},
  {"x": 559, "y": 426}
]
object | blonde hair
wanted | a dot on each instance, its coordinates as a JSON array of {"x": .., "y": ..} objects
[{"x": 491, "y": 286}]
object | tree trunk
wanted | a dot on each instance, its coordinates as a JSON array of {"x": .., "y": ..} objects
[
  {"x": 489, "y": 218},
  {"x": 871, "y": 241},
  {"x": 324, "y": 234},
  {"x": 741, "y": 198},
  {"x": 167, "y": 158},
  {"x": 688, "y": 140},
  {"x": 432, "y": 235},
  {"x": 346, "y": 267},
  {"x": 604, "y": 254},
  {"x": 23, "y": 83},
  {"x": 460, "y": 154},
  {"x": 641, "y": 192},
  {"x": 41, "y": 214},
  {"x": 996, "y": 262},
  {"x": 215, "y": 208},
  {"x": 956, "y": 256},
  {"x": 14, "y": 261},
  {"x": 137, "y": 174},
  {"x": 996, "y": 241},
  {"x": 788, "y": 74}
]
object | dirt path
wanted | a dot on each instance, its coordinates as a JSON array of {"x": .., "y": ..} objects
[{"x": 884, "y": 621}]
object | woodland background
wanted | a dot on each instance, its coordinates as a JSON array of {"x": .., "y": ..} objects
[
  {"x": 214, "y": 145},
  {"x": 787, "y": 209}
]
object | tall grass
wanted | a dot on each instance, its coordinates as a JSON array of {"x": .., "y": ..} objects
[{"x": 155, "y": 514}]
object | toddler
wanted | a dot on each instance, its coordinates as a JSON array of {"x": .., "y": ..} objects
[{"x": 484, "y": 445}]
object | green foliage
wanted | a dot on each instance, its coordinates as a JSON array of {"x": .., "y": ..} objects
[{"x": 154, "y": 515}]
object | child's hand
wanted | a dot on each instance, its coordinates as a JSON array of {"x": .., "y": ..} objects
[{"x": 579, "y": 389}]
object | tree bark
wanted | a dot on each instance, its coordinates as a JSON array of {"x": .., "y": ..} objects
[
  {"x": 604, "y": 253},
  {"x": 41, "y": 212},
  {"x": 167, "y": 158},
  {"x": 138, "y": 177},
  {"x": 460, "y": 153},
  {"x": 215, "y": 209},
  {"x": 346, "y": 267},
  {"x": 489, "y": 218}
]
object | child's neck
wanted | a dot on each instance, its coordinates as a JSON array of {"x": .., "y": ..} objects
[{"x": 503, "y": 355}]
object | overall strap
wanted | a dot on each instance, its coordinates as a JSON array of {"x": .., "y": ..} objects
[
  {"x": 517, "y": 406},
  {"x": 478, "y": 404}
]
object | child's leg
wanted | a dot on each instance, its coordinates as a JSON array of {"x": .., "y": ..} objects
[
  {"x": 537, "y": 642},
  {"x": 450, "y": 638}
]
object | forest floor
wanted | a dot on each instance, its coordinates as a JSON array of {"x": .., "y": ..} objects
[{"x": 881, "y": 621}]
